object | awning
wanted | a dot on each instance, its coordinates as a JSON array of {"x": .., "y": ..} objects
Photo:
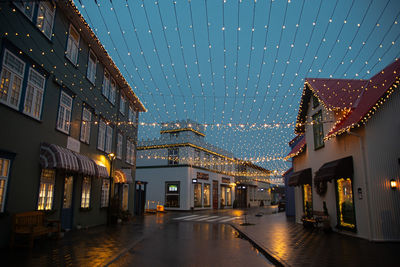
[
  {"x": 57, "y": 157},
  {"x": 123, "y": 176},
  {"x": 101, "y": 171},
  {"x": 300, "y": 177},
  {"x": 86, "y": 165},
  {"x": 341, "y": 168}
]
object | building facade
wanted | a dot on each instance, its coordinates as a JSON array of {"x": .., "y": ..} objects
[
  {"x": 68, "y": 115},
  {"x": 350, "y": 154},
  {"x": 186, "y": 173}
]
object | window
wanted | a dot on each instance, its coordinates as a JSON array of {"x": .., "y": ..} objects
[
  {"x": 131, "y": 114},
  {"x": 64, "y": 113},
  {"x": 26, "y": 7},
  {"x": 173, "y": 156},
  {"x": 34, "y": 94},
  {"x": 85, "y": 199},
  {"x": 206, "y": 195},
  {"x": 207, "y": 160},
  {"x": 315, "y": 101},
  {"x": 45, "y": 18},
  {"x": 101, "y": 135},
  {"x": 223, "y": 195},
  {"x": 125, "y": 196},
  {"x": 130, "y": 152},
  {"x": 345, "y": 203},
  {"x": 46, "y": 191},
  {"x": 109, "y": 136},
  {"x": 73, "y": 45},
  {"x": 307, "y": 200},
  {"x": 197, "y": 195},
  {"x": 91, "y": 69},
  {"x": 105, "y": 193},
  {"x": 106, "y": 84},
  {"x": 113, "y": 90},
  {"x": 119, "y": 145},
  {"x": 172, "y": 192},
  {"x": 12, "y": 74},
  {"x": 228, "y": 196},
  {"x": 86, "y": 123},
  {"x": 4, "y": 171},
  {"x": 122, "y": 103},
  {"x": 318, "y": 130}
]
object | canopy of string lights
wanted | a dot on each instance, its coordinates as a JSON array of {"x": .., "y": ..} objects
[{"x": 238, "y": 66}]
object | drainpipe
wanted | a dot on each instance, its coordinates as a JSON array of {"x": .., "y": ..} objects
[{"x": 362, "y": 149}]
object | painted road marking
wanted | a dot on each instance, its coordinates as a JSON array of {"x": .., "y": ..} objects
[
  {"x": 199, "y": 217},
  {"x": 230, "y": 219},
  {"x": 209, "y": 217},
  {"x": 185, "y": 217},
  {"x": 219, "y": 218}
]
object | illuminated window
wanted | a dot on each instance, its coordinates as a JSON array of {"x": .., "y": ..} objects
[
  {"x": 345, "y": 203},
  {"x": 12, "y": 74},
  {"x": 307, "y": 199},
  {"x": 85, "y": 126},
  {"x": 85, "y": 198},
  {"x": 172, "y": 192},
  {"x": 197, "y": 195},
  {"x": 91, "y": 69},
  {"x": 223, "y": 195},
  {"x": 173, "y": 156},
  {"x": 206, "y": 195},
  {"x": 73, "y": 45},
  {"x": 4, "y": 171},
  {"x": 228, "y": 196},
  {"x": 105, "y": 193},
  {"x": 64, "y": 113},
  {"x": 46, "y": 190},
  {"x": 315, "y": 101},
  {"x": 34, "y": 94},
  {"x": 318, "y": 130},
  {"x": 45, "y": 17}
]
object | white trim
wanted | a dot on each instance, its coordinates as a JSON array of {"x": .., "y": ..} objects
[
  {"x": 72, "y": 46},
  {"x": 91, "y": 67},
  {"x": 47, "y": 6},
  {"x": 64, "y": 123},
  {"x": 37, "y": 89}
]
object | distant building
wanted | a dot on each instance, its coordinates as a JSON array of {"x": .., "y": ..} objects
[
  {"x": 184, "y": 172},
  {"x": 349, "y": 157},
  {"x": 64, "y": 107}
]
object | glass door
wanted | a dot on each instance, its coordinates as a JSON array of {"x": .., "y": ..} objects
[{"x": 67, "y": 207}]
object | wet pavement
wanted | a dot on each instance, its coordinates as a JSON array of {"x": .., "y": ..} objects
[{"x": 193, "y": 244}]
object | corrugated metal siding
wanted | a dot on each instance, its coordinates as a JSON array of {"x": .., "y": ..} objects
[{"x": 383, "y": 152}]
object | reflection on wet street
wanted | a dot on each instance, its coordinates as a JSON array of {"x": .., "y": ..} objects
[{"x": 193, "y": 244}]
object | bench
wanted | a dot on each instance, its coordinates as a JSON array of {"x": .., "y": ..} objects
[
  {"x": 316, "y": 220},
  {"x": 33, "y": 224}
]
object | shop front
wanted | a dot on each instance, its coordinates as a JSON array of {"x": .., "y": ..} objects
[{"x": 303, "y": 178}]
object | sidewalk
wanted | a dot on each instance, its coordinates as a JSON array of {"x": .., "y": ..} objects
[
  {"x": 291, "y": 245},
  {"x": 96, "y": 246}
]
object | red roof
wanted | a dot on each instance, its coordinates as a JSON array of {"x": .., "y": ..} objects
[
  {"x": 356, "y": 97},
  {"x": 378, "y": 86},
  {"x": 297, "y": 149},
  {"x": 337, "y": 93}
]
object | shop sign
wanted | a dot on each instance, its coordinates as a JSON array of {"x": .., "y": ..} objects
[
  {"x": 73, "y": 144},
  {"x": 202, "y": 175}
]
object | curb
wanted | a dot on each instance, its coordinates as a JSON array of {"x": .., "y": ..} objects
[{"x": 275, "y": 260}]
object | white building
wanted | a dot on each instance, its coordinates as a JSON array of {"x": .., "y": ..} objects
[
  {"x": 350, "y": 154},
  {"x": 183, "y": 171}
]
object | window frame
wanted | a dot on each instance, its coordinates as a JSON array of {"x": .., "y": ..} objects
[
  {"x": 207, "y": 185},
  {"x": 172, "y": 193},
  {"x": 105, "y": 88},
  {"x": 112, "y": 91},
  {"x": 50, "y": 13},
  {"x": 91, "y": 71},
  {"x": 61, "y": 105},
  {"x": 318, "y": 130},
  {"x": 86, "y": 192},
  {"x": 108, "y": 143},
  {"x": 101, "y": 135},
  {"x": 105, "y": 193},
  {"x": 120, "y": 142},
  {"x": 199, "y": 203},
  {"x": 36, "y": 90},
  {"x": 5, "y": 178},
  {"x": 71, "y": 44},
  {"x": 13, "y": 74},
  {"x": 173, "y": 158},
  {"x": 342, "y": 224},
  {"x": 85, "y": 125},
  {"x": 122, "y": 104},
  {"x": 46, "y": 183},
  {"x": 22, "y": 8}
]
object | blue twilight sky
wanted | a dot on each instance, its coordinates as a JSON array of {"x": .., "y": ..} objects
[{"x": 238, "y": 66}]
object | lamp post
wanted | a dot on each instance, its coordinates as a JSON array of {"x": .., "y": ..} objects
[{"x": 111, "y": 157}]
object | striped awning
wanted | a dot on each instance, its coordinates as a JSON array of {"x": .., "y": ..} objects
[
  {"x": 101, "y": 171},
  {"x": 86, "y": 165},
  {"x": 123, "y": 176},
  {"x": 57, "y": 157}
]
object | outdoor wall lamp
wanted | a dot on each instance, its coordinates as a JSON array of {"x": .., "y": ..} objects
[
  {"x": 393, "y": 184},
  {"x": 111, "y": 156}
]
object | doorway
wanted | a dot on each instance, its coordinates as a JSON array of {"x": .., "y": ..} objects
[
  {"x": 67, "y": 206},
  {"x": 215, "y": 195}
]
